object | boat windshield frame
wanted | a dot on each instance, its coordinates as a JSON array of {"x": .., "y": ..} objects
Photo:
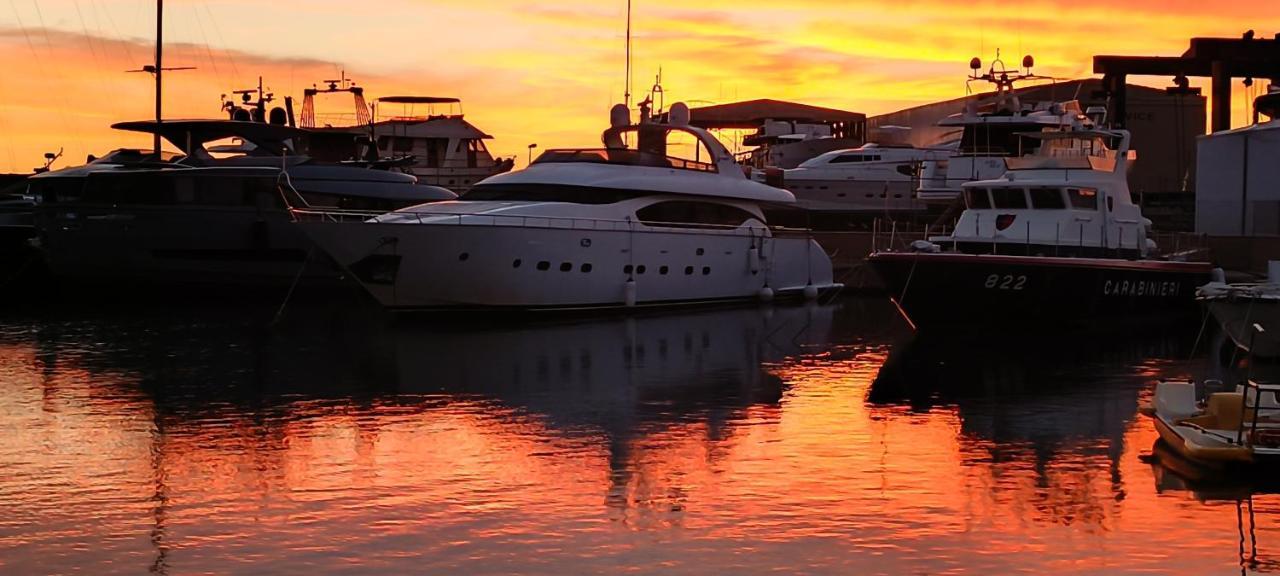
[{"x": 622, "y": 157}]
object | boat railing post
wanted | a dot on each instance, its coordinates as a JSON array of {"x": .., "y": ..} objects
[
  {"x": 1028, "y": 239},
  {"x": 893, "y": 234}
]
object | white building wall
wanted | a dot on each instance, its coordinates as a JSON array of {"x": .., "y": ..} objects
[{"x": 1238, "y": 194}]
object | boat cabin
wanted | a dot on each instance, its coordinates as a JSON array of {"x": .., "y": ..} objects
[{"x": 1070, "y": 198}]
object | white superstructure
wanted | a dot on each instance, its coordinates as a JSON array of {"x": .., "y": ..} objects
[
  {"x": 871, "y": 178},
  {"x": 1069, "y": 198},
  {"x": 989, "y": 132}
]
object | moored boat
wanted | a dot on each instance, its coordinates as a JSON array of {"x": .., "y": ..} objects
[
  {"x": 1055, "y": 240},
  {"x": 669, "y": 219},
  {"x": 1227, "y": 428}
]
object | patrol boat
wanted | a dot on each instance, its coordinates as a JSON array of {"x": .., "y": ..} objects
[{"x": 1056, "y": 240}]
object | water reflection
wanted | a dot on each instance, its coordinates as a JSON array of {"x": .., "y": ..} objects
[
  {"x": 810, "y": 439},
  {"x": 1253, "y": 498}
]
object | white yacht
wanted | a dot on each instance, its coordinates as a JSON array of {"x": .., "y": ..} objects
[
  {"x": 426, "y": 136},
  {"x": 660, "y": 215},
  {"x": 874, "y": 178},
  {"x": 989, "y": 132}
]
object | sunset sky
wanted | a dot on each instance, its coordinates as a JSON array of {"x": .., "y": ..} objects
[{"x": 547, "y": 72}]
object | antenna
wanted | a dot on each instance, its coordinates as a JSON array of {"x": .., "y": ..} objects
[
  {"x": 627, "y": 97},
  {"x": 157, "y": 70}
]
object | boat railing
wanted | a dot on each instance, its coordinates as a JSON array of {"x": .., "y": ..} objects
[
  {"x": 1129, "y": 237},
  {"x": 1261, "y": 431},
  {"x": 483, "y": 219}
]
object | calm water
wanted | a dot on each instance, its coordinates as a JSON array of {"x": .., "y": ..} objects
[{"x": 791, "y": 440}]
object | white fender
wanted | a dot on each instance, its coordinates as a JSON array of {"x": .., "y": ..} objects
[
  {"x": 811, "y": 292},
  {"x": 629, "y": 293},
  {"x": 766, "y": 294}
]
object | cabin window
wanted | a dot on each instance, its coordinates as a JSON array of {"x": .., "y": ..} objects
[
  {"x": 403, "y": 144},
  {"x": 550, "y": 193},
  {"x": 683, "y": 213},
  {"x": 1047, "y": 199},
  {"x": 1009, "y": 198},
  {"x": 847, "y": 159},
  {"x": 57, "y": 189},
  {"x": 1083, "y": 198},
  {"x": 974, "y": 198}
]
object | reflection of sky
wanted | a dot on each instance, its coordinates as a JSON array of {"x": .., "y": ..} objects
[
  {"x": 547, "y": 72},
  {"x": 736, "y": 440}
]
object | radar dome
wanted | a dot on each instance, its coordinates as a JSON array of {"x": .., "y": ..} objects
[
  {"x": 619, "y": 116},
  {"x": 679, "y": 115}
]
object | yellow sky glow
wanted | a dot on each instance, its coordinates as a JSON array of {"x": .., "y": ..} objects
[{"x": 547, "y": 72}]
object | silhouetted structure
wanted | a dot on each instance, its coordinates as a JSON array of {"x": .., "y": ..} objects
[{"x": 1221, "y": 59}]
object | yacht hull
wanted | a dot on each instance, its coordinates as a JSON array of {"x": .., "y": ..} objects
[
  {"x": 1236, "y": 317},
  {"x": 153, "y": 244},
  {"x": 951, "y": 289},
  {"x": 424, "y": 266}
]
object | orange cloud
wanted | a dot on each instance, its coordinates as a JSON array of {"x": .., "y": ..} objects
[{"x": 547, "y": 72}]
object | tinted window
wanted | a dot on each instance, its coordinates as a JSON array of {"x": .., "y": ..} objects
[
  {"x": 60, "y": 189},
  {"x": 846, "y": 158},
  {"x": 997, "y": 139},
  {"x": 685, "y": 213},
  {"x": 1009, "y": 198},
  {"x": 550, "y": 193},
  {"x": 1083, "y": 198},
  {"x": 977, "y": 198},
  {"x": 1047, "y": 198}
]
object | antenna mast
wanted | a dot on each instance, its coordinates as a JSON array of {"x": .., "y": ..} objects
[
  {"x": 627, "y": 97},
  {"x": 159, "y": 71}
]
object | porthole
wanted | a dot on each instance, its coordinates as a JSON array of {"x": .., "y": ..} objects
[
  {"x": 839, "y": 194},
  {"x": 463, "y": 256},
  {"x": 627, "y": 269},
  {"x": 640, "y": 269},
  {"x": 586, "y": 267},
  {"x": 544, "y": 265},
  {"x": 706, "y": 270},
  {"x": 688, "y": 270},
  {"x": 701, "y": 251},
  {"x": 515, "y": 263},
  {"x": 566, "y": 266},
  {"x": 897, "y": 195},
  {"x": 663, "y": 270}
]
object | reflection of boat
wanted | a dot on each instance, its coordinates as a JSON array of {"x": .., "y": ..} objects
[
  {"x": 1236, "y": 427},
  {"x": 661, "y": 215},
  {"x": 1014, "y": 389},
  {"x": 207, "y": 215},
  {"x": 1174, "y": 473},
  {"x": 1056, "y": 240}
]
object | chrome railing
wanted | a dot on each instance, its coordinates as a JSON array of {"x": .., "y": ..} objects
[{"x": 482, "y": 219}]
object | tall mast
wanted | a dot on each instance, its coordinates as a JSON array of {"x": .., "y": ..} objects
[
  {"x": 627, "y": 97},
  {"x": 159, "y": 71}
]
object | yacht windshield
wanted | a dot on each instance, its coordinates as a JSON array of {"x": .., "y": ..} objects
[{"x": 551, "y": 193}]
